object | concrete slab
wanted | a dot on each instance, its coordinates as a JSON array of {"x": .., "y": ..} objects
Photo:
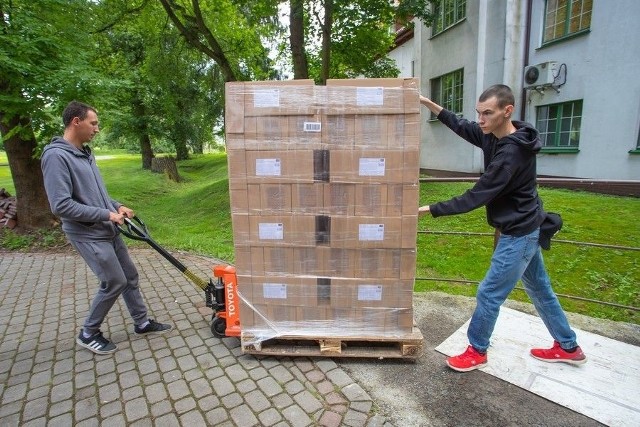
[{"x": 605, "y": 388}]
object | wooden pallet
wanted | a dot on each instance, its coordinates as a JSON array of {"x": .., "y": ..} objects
[{"x": 406, "y": 347}]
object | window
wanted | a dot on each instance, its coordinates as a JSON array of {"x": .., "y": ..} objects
[
  {"x": 566, "y": 17},
  {"x": 446, "y": 13},
  {"x": 447, "y": 91},
  {"x": 559, "y": 125}
]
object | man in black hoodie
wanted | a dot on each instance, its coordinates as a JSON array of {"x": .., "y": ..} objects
[
  {"x": 89, "y": 216},
  {"x": 508, "y": 189}
]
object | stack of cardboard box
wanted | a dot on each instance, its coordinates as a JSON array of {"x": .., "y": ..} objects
[{"x": 324, "y": 195}]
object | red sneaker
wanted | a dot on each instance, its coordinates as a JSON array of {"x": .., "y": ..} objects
[
  {"x": 467, "y": 361},
  {"x": 558, "y": 354}
]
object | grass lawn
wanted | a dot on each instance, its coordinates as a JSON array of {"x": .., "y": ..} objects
[{"x": 194, "y": 215}]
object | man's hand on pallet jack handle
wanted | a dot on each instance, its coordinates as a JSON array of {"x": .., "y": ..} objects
[{"x": 123, "y": 212}]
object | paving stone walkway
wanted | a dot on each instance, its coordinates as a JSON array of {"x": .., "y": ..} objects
[{"x": 186, "y": 377}]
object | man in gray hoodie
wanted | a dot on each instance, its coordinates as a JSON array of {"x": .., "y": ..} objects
[{"x": 78, "y": 196}]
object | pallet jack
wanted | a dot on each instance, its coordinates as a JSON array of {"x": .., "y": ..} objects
[{"x": 220, "y": 295}]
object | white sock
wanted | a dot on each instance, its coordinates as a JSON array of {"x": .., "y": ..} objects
[
  {"x": 86, "y": 335},
  {"x": 144, "y": 325}
]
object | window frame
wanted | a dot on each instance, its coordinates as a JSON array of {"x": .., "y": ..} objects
[
  {"x": 558, "y": 132},
  {"x": 459, "y": 8},
  {"x": 567, "y": 33},
  {"x": 457, "y": 87}
]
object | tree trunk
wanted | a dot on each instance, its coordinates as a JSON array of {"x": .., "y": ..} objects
[
  {"x": 147, "y": 152},
  {"x": 33, "y": 206},
  {"x": 142, "y": 130},
  {"x": 296, "y": 39},
  {"x": 182, "y": 152},
  {"x": 326, "y": 41},
  {"x": 166, "y": 165}
]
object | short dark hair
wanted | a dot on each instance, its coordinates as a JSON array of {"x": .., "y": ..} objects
[
  {"x": 503, "y": 94},
  {"x": 76, "y": 109}
]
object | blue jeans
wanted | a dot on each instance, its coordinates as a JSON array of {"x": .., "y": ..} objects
[{"x": 517, "y": 258}]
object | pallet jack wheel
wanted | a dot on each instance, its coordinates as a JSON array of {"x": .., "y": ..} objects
[{"x": 219, "y": 327}]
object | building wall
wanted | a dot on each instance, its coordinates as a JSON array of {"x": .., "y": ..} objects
[
  {"x": 602, "y": 68},
  {"x": 405, "y": 58},
  {"x": 490, "y": 45}
]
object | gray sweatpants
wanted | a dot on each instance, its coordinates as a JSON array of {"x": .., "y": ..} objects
[{"x": 110, "y": 261}]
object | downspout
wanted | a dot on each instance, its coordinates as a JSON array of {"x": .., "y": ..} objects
[
  {"x": 527, "y": 43},
  {"x": 477, "y": 159}
]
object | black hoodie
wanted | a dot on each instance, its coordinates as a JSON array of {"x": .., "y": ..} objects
[{"x": 508, "y": 186}]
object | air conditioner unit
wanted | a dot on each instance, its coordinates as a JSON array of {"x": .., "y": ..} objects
[{"x": 540, "y": 75}]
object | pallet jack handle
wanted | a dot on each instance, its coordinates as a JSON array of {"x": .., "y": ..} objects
[{"x": 134, "y": 228}]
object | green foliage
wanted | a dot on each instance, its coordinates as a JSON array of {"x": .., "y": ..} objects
[
  {"x": 43, "y": 239},
  {"x": 44, "y": 61},
  {"x": 590, "y": 272}
]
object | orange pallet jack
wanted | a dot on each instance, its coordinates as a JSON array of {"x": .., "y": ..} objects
[{"x": 220, "y": 295}]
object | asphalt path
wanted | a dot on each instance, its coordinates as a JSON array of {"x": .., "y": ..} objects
[{"x": 427, "y": 393}]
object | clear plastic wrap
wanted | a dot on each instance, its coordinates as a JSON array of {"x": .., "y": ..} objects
[{"x": 324, "y": 196}]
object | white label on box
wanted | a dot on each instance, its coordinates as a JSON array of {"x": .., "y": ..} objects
[
  {"x": 371, "y": 166},
  {"x": 274, "y": 291},
  {"x": 271, "y": 231},
  {"x": 264, "y": 98},
  {"x": 369, "y": 292},
  {"x": 312, "y": 126},
  {"x": 371, "y": 232},
  {"x": 370, "y": 96},
  {"x": 268, "y": 167}
]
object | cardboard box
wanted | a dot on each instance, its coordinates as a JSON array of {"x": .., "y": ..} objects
[
  {"x": 372, "y": 96},
  {"x": 284, "y": 291},
  {"x": 266, "y": 132},
  {"x": 240, "y": 226},
  {"x": 280, "y": 166},
  {"x": 339, "y": 131},
  {"x": 402, "y": 199},
  {"x": 371, "y": 292},
  {"x": 371, "y": 132},
  {"x": 373, "y": 232},
  {"x": 304, "y": 132},
  {"x": 268, "y": 199},
  {"x": 308, "y": 198},
  {"x": 339, "y": 199},
  {"x": 234, "y": 108},
  {"x": 234, "y": 141},
  {"x": 403, "y": 130},
  {"x": 283, "y": 260},
  {"x": 278, "y": 230},
  {"x": 368, "y": 166},
  {"x": 279, "y": 98},
  {"x": 385, "y": 263},
  {"x": 371, "y": 199},
  {"x": 237, "y": 169}
]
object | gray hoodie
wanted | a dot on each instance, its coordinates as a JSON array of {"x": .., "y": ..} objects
[{"x": 76, "y": 192}]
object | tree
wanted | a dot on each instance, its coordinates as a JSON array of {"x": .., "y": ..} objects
[
  {"x": 327, "y": 38},
  {"x": 40, "y": 63},
  {"x": 229, "y": 32},
  {"x": 167, "y": 86}
]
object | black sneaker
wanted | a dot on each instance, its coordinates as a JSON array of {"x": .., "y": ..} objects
[
  {"x": 96, "y": 343},
  {"x": 152, "y": 326}
]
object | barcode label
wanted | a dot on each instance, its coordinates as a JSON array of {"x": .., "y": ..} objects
[{"x": 312, "y": 126}]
